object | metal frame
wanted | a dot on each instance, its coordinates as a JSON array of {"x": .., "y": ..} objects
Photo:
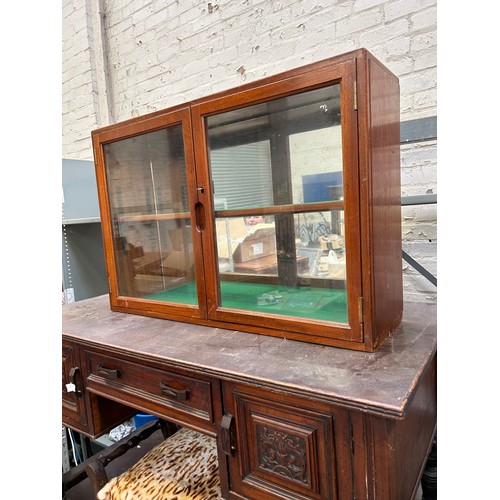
[
  {"x": 422, "y": 199},
  {"x": 419, "y": 130}
]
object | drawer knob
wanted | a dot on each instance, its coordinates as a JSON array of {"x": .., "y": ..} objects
[
  {"x": 106, "y": 372},
  {"x": 179, "y": 394}
]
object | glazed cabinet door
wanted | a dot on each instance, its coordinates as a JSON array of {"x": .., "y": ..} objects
[
  {"x": 279, "y": 446},
  {"x": 280, "y": 163},
  {"x": 73, "y": 404},
  {"x": 151, "y": 216}
]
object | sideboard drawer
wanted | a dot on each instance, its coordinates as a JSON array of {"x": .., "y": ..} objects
[{"x": 153, "y": 388}]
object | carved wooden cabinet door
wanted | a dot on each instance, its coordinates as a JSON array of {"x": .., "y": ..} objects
[
  {"x": 280, "y": 446},
  {"x": 73, "y": 405}
]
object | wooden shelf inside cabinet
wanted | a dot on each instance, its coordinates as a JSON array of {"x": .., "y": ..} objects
[
  {"x": 281, "y": 209},
  {"x": 273, "y": 171},
  {"x": 154, "y": 217}
]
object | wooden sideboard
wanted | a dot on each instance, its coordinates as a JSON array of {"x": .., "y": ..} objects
[{"x": 292, "y": 420}]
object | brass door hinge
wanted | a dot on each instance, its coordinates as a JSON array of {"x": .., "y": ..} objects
[
  {"x": 355, "y": 96},
  {"x": 361, "y": 309}
]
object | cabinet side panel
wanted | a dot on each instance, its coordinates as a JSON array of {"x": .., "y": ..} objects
[
  {"x": 415, "y": 434},
  {"x": 384, "y": 130},
  {"x": 400, "y": 447}
]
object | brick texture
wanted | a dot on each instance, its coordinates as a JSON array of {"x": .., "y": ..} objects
[{"x": 159, "y": 53}]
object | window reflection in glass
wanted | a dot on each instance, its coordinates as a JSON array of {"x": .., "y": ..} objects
[{"x": 286, "y": 151}]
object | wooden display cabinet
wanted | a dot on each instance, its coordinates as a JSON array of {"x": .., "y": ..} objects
[{"x": 312, "y": 156}]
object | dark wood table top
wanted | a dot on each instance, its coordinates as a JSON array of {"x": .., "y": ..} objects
[{"x": 382, "y": 382}]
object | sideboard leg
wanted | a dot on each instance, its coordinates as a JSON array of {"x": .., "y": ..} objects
[{"x": 429, "y": 477}]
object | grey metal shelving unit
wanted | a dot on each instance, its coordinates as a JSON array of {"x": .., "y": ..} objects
[{"x": 83, "y": 265}]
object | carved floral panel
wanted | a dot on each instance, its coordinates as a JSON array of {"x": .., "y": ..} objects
[{"x": 282, "y": 453}]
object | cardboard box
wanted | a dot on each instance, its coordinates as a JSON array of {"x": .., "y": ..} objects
[
  {"x": 230, "y": 232},
  {"x": 259, "y": 244}
]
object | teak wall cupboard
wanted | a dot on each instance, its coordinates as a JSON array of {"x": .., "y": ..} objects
[{"x": 272, "y": 208}]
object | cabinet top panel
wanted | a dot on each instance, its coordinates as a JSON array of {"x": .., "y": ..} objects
[{"x": 382, "y": 382}]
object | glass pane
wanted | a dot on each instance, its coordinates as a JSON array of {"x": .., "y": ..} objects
[
  {"x": 283, "y": 152},
  {"x": 286, "y": 151},
  {"x": 253, "y": 162},
  {"x": 147, "y": 187},
  {"x": 303, "y": 276}
]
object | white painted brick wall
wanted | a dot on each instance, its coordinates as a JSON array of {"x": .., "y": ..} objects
[
  {"x": 419, "y": 223},
  {"x": 79, "y": 100},
  {"x": 165, "y": 52},
  {"x": 264, "y": 38}
]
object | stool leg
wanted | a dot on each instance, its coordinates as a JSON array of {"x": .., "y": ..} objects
[{"x": 168, "y": 428}]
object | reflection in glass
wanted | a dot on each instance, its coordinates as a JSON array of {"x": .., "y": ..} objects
[
  {"x": 241, "y": 175},
  {"x": 255, "y": 275},
  {"x": 286, "y": 151},
  {"x": 148, "y": 198},
  {"x": 269, "y": 164}
]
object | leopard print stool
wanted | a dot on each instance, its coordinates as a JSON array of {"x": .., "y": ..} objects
[{"x": 182, "y": 467}]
